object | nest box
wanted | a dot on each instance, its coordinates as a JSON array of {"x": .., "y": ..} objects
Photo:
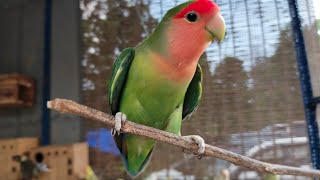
[{"x": 16, "y": 90}]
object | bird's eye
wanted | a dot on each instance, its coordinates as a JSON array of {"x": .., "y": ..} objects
[{"x": 192, "y": 17}]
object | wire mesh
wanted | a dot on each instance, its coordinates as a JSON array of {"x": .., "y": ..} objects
[{"x": 251, "y": 101}]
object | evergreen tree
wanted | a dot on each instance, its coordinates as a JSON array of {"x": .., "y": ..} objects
[
  {"x": 231, "y": 97},
  {"x": 276, "y": 87},
  {"x": 312, "y": 44}
]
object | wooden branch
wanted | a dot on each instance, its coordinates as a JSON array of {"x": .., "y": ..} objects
[{"x": 67, "y": 106}]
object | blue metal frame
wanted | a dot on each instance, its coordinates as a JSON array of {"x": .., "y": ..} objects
[
  {"x": 308, "y": 100},
  {"x": 45, "y": 126},
  {"x": 316, "y": 101}
]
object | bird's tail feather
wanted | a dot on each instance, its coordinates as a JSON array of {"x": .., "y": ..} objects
[{"x": 136, "y": 152}]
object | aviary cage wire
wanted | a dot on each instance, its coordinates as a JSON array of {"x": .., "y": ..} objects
[{"x": 251, "y": 104}]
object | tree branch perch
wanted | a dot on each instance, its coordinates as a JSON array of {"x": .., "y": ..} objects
[{"x": 67, "y": 106}]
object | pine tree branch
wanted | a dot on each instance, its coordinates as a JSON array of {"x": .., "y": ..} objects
[{"x": 67, "y": 106}]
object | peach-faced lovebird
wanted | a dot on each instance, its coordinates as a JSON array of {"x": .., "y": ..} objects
[{"x": 158, "y": 83}]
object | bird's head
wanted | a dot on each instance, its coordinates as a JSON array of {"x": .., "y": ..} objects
[
  {"x": 192, "y": 26},
  {"x": 183, "y": 35},
  {"x": 198, "y": 18}
]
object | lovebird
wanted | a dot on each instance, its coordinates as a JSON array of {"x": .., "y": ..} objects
[{"x": 158, "y": 83}]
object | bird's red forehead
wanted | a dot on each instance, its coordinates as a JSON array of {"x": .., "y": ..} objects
[{"x": 199, "y": 6}]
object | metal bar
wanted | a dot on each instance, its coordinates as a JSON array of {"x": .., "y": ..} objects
[
  {"x": 249, "y": 32},
  {"x": 232, "y": 28},
  {"x": 315, "y": 101},
  {"x": 45, "y": 126},
  {"x": 310, "y": 111},
  {"x": 262, "y": 29}
]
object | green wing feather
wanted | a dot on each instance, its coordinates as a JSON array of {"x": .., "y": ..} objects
[
  {"x": 119, "y": 75},
  {"x": 193, "y": 94}
]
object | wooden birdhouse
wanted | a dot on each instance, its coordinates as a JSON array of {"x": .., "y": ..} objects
[
  {"x": 16, "y": 90},
  {"x": 9, "y": 148},
  {"x": 63, "y": 161}
]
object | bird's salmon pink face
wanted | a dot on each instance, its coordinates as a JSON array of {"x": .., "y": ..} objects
[{"x": 202, "y": 17}]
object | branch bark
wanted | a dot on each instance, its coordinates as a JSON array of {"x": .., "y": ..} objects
[{"x": 67, "y": 106}]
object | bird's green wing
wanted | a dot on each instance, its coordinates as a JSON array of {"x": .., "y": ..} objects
[
  {"x": 119, "y": 75},
  {"x": 193, "y": 94}
]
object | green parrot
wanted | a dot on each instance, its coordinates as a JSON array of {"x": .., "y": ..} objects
[{"x": 158, "y": 83}]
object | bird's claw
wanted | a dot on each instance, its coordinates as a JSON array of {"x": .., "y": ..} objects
[
  {"x": 119, "y": 119},
  {"x": 199, "y": 141}
]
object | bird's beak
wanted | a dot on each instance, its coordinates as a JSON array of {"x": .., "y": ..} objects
[{"x": 216, "y": 28}]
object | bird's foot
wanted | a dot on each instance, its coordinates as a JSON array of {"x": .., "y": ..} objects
[
  {"x": 119, "y": 119},
  {"x": 199, "y": 141}
]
